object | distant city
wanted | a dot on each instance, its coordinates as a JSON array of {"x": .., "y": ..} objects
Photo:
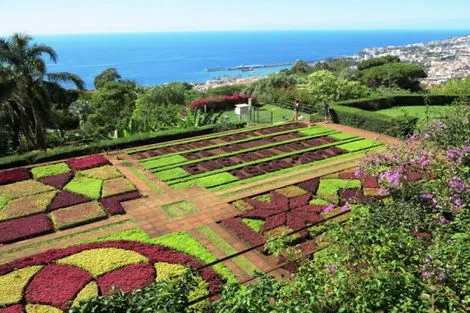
[{"x": 442, "y": 60}]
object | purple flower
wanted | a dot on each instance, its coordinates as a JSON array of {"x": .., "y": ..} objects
[
  {"x": 458, "y": 203},
  {"x": 457, "y": 184},
  {"x": 345, "y": 207},
  {"x": 332, "y": 268},
  {"x": 328, "y": 209},
  {"x": 383, "y": 192},
  {"x": 442, "y": 220},
  {"x": 426, "y": 274},
  {"x": 427, "y": 196},
  {"x": 441, "y": 277}
]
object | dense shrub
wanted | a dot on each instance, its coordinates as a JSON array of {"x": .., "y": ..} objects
[
  {"x": 220, "y": 103},
  {"x": 106, "y": 145},
  {"x": 374, "y": 104},
  {"x": 398, "y": 127}
]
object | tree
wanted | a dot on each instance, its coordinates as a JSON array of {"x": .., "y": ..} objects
[
  {"x": 300, "y": 67},
  {"x": 26, "y": 86},
  {"x": 108, "y": 75},
  {"x": 377, "y": 62},
  {"x": 402, "y": 75},
  {"x": 325, "y": 86},
  {"x": 112, "y": 107},
  {"x": 160, "y": 106}
]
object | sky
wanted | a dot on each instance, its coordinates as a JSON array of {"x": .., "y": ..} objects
[{"x": 123, "y": 16}]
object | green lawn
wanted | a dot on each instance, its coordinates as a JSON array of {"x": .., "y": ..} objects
[
  {"x": 418, "y": 111},
  {"x": 279, "y": 114}
]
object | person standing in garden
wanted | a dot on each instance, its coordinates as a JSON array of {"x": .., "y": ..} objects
[
  {"x": 295, "y": 116},
  {"x": 326, "y": 111}
]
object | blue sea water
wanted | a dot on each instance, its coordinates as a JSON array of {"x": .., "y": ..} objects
[{"x": 156, "y": 58}]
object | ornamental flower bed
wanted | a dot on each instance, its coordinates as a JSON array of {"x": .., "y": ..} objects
[
  {"x": 56, "y": 279},
  {"x": 220, "y": 103},
  {"x": 296, "y": 207},
  {"x": 60, "y": 196}
]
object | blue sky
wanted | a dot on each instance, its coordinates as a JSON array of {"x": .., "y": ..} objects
[{"x": 117, "y": 16}]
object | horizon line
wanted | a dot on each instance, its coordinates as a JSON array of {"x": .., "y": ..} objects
[{"x": 238, "y": 30}]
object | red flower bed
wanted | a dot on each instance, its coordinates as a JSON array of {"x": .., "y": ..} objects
[
  {"x": 58, "y": 181},
  {"x": 56, "y": 285},
  {"x": 25, "y": 227},
  {"x": 65, "y": 199},
  {"x": 131, "y": 277},
  {"x": 243, "y": 231},
  {"x": 370, "y": 182},
  {"x": 17, "y": 308},
  {"x": 113, "y": 204},
  {"x": 78, "y": 164},
  {"x": 13, "y": 175},
  {"x": 220, "y": 103}
]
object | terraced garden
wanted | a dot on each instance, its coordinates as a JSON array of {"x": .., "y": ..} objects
[
  {"x": 209, "y": 203},
  {"x": 226, "y": 161}
]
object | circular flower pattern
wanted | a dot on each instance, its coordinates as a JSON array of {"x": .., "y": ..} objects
[{"x": 59, "y": 278}]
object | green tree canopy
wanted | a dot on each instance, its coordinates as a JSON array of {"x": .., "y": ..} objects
[
  {"x": 377, "y": 62},
  {"x": 27, "y": 89},
  {"x": 402, "y": 75},
  {"x": 160, "y": 106},
  {"x": 112, "y": 107},
  {"x": 453, "y": 87},
  {"x": 108, "y": 75},
  {"x": 325, "y": 86}
]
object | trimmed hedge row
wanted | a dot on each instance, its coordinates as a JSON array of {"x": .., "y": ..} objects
[
  {"x": 374, "y": 104},
  {"x": 397, "y": 127},
  {"x": 74, "y": 151}
]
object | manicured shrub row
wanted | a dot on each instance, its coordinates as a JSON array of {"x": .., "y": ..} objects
[
  {"x": 23, "y": 189},
  {"x": 219, "y": 103},
  {"x": 121, "y": 143},
  {"x": 91, "y": 161},
  {"x": 244, "y": 232},
  {"x": 226, "y": 161},
  {"x": 374, "y": 104},
  {"x": 116, "y": 186},
  {"x": 398, "y": 127},
  {"x": 56, "y": 278},
  {"x": 50, "y": 170},
  {"x": 202, "y": 144},
  {"x": 102, "y": 172}
]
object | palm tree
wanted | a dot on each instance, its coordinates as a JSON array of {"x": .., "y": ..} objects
[{"x": 25, "y": 86}]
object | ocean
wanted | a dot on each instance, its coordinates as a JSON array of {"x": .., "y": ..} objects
[{"x": 157, "y": 58}]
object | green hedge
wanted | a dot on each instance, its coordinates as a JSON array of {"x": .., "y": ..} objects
[
  {"x": 374, "y": 104},
  {"x": 379, "y": 123},
  {"x": 107, "y": 145}
]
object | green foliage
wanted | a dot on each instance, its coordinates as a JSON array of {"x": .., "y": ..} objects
[
  {"x": 453, "y": 87},
  {"x": 108, "y": 75},
  {"x": 112, "y": 107},
  {"x": 50, "y": 170},
  {"x": 333, "y": 185},
  {"x": 171, "y": 174},
  {"x": 359, "y": 145},
  {"x": 325, "y": 86},
  {"x": 264, "y": 86},
  {"x": 27, "y": 90},
  {"x": 199, "y": 118},
  {"x": 398, "y": 127},
  {"x": 366, "y": 64},
  {"x": 224, "y": 91},
  {"x": 166, "y": 296},
  {"x": 87, "y": 186},
  {"x": 207, "y": 181},
  {"x": 160, "y": 106},
  {"x": 402, "y": 75},
  {"x": 164, "y": 161},
  {"x": 254, "y": 224}
]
